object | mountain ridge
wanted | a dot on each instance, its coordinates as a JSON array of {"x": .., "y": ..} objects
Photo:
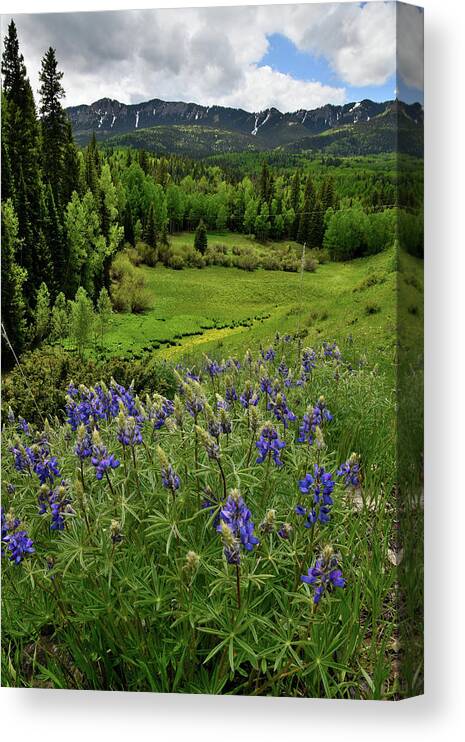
[{"x": 268, "y": 129}]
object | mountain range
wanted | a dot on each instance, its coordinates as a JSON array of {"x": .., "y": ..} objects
[{"x": 362, "y": 127}]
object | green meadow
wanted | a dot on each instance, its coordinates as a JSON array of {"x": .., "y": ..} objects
[{"x": 225, "y": 310}]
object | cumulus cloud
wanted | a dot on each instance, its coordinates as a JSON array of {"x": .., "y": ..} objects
[{"x": 212, "y": 55}]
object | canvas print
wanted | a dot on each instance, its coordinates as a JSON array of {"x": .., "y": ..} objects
[{"x": 212, "y": 350}]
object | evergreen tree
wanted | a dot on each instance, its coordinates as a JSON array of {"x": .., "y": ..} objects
[
  {"x": 71, "y": 180},
  {"x": 295, "y": 203},
  {"x": 128, "y": 225},
  {"x": 59, "y": 320},
  {"x": 22, "y": 146},
  {"x": 42, "y": 313},
  {"x": 8, "y": 188},
  {"x": 150, "y": 231},
  {"x": 266, "y": 183},
  {"x": 327, "y": 194},
  {"x": 92, "y": 166},
  {"x": 13, "y": 67},
  {"x": 57, "y": 248},
  {"x": 13, "y": 278},
  {"x": 306, "y": 215},
  {"x": 200, "y": 239},
  {"x": 55, "y": 135}
]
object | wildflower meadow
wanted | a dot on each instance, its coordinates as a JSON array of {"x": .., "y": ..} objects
[{"x": 234, "y": 539}]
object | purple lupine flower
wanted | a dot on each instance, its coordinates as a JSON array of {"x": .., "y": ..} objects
[
  {"x": 236, "y": 516},
  {"x": 269, "y": 354},
  {"x": 249, "y": 397},
  {"x": 101, "y": 459},
  {"x": 59, "y": 503},
  {"x": 269, "y": 444},
  {"x": 213, "y": 368},
  {"x": 161, "y": 409},
  {"x": 320, "y": 486},
  {"x": 10, "y": 416},
  {"x": 24, "y": 457},
  {"x": 83, "y": 447},
  {"x": 230, "y": 395},
  {"x": 23, "y": 426},
  {"x": 313, "y": 418},
  {"x": 129, "y": 432},
  {"x": 16, "y": 542},
  {"x": 350, "y": 471},
  {"x": 324, "y": 576},
  {"x": 266, "y": 385},
  {"x": 46, "y": 467},
  {"x": 214, "y": 426},
  {"x": 169, "y": 478},
  {"x": 280, "y": 409},
  {"x": 330, "y": 350},
  {"x": 285, "y": 531},
  {"x": 308, "y": 363},
  {"x": 208, "y": 442}
]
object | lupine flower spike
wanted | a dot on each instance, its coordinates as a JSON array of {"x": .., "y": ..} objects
[{"x": 324, "y": 576}]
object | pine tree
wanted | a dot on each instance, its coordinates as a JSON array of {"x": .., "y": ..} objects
[
  {"x": 306, "y": 215},
  {"x": 150, "y": 231},
  {"x": 22, "y": 145},
  {"x": 327, "y": 194},
  {"x": 59, "y": 320},
  {"x": 55, "y": 135},
  {"x": 266, "y": 184},
  {"x": 13, "y": 277},
  {"x": 295, "y": 203},
  {"x": 8, "y": 187},
  {"x": 92, "y": 166},
  {"x": 42, "y": 313},
  {"x": 200, "y": 239},
  {"x": 13, "y": 67},
  {"x": 128, "y": 225},
  {"x": 71, "y": 180},
  {"x": 57, "y": 247}
]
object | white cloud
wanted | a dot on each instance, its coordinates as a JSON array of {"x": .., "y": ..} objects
[
  {"x": 212, "y": 55},
  {"x": 264, "y": 88}
]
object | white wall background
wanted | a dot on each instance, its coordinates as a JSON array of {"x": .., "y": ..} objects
[{"x": 39, "y": 715}]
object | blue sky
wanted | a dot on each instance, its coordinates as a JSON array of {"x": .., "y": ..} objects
[{"x": 284, "y": 56}]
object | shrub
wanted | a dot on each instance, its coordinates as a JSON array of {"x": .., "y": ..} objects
[
  {"x": 175, "y": 261},
  {"x": 134, "y": 256},
  {"x": 248, "y": 262},
  {"x": 147, "y": 254},
  {"x": 39, "y": 391},
  {"x": 372, "y": 308},
  {"x": 374, "y": 279},
  {"x": 129, "y": 292}
]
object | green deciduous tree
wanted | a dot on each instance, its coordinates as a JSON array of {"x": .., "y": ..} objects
[
  {"x": 82, "y": 320},
  {"x": 59, "y": 320}
]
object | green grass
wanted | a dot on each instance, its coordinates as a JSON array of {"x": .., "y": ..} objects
[{"x": 214, "y": 301}]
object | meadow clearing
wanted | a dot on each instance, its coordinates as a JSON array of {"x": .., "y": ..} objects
[{"x": 228, "y": 309}]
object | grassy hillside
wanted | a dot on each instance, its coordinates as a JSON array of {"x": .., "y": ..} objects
[{"x": 224, "y": 310}]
